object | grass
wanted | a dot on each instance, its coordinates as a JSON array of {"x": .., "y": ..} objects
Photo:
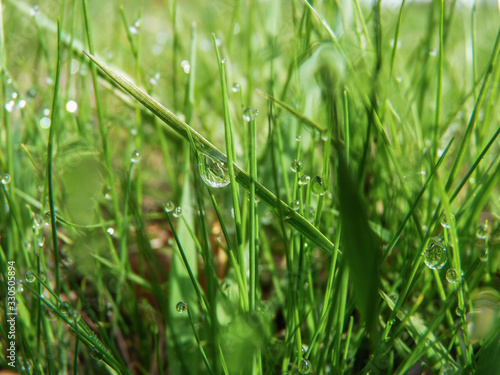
[{"x": 154, "y": 224}]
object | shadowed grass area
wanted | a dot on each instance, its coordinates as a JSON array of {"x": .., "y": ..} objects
[{"x": 249, "y": 187}]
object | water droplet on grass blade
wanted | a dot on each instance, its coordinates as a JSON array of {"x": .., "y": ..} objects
[
  {"x": 317, "y": 186},
  {"x": 236, "y": 87},
  {"x": 213, "y": 171},
  {"x": 64, "y": 307},
  {"x": 304, "y": 180},
  {"x": 304, "y": 366},
  {"x": 447, "y": 220},
  {"x": 178, "y": 211},
  {"x": 5, "y": 179},
  {"x": 169, "y": 206},
  {"x": 296, "y": 166},
  {"x": 181, "y": 307},
  {"x": 45, "y": 122},
  {"x": 96, "y": 354},
  {"x": 482, "y": 231},
  {"x": 9, "y": 106},
  {"x": 71, "y": 106},
  {"x": 249, "y": 114},
  {"x": 30, "y": 277},
  {"x": 35, "y": 10},
  {"x": 296, "y": 205},
  {"x": 135, "y": 157},
  {"x": 435, "y": 256},
  {"x": 452, "y": 276},
  {"x": 186, "y": 66}
]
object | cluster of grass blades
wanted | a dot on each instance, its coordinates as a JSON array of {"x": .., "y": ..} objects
[{"x": 249, "y": 187}]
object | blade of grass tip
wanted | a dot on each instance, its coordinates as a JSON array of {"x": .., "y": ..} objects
[
  {"x": 396, "y": 36},
  {"x": 475, "y": 113},
  {"x": 50, "y": 146},
  {"x": 439, "y": 89},
  {"x": 241, "y": 177},
  {"x": 361, "y": 251}
]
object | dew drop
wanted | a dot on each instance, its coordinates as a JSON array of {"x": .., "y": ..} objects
[
  {"x": 64, "y": 307},
  {"x": 169, "y": 206},
  {"x": 45, "y": 122},
  {"x": 46, "y": 217},
  {"x": 296, "y": 205},
  {"x": 483, "y": 254},
  {"x": 30, "y": 277},
  {"x": 110, "y": 231},
  {"x": 213, "y": 171},
  {"x": 459, "y": 311},
  {"x": 482, "y": 231},
  {"x": 35, "y": 10},
  {"x": 304, "y": 366},
  {"x": 9, "y": 106},
  {"x": 225, "y": 285},
  {"x": 236, "y": 87},
  {"x": 40, "y": 240},
  {"x": 304, "y": 180},
  {"x": 38, "y": 222},
  {"x": 435, "y": 256},
  {"x": 178, "y": 211},
  {"x": 73, "y": 314},
  {"x": 71, "y": 106},
  {"x": 135, "y": 157},
  {"x": 317, "y": 186},
  {"x": 447, "y": 220},
  {"x": 5, "y": 179},
  {"x": 452, "y": 276},
  {"x": 96, "y": 354},
  {"x": 181, "y": 307},
  {"x": 296, "y": 166},
  {"x": 249, "y": 114},
  {"x": 186, "y": 66},
  {"x": 46, "y": 112},
  {"x": 298, "y": 138}
]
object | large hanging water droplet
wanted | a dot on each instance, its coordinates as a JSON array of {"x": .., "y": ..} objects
[
  {"x": 5, "y": 179},
  {"x": 213, "y": 170},
  {"x": 452, "y": 276},
  {"x": 181, "y": 307},
  {"x": 435, "y": 256},
  {"x": 447, "y": 220},
  {"x": 135, "y": 157},
  {"x": 296, "y": 166},
  {"x": 304, "y": 366},
  {"x": 30, "y": 277},
  {"x": 169, "y": 206},
  {"x": 317, "y": 186},
  {"x": 304, "y": 180},
  {"x": 249, "y": 114}
]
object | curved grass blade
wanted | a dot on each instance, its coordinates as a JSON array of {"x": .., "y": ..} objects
[{"x": 242, "y": 177}]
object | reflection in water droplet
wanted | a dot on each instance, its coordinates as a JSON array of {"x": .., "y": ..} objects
[
  {"x": 317, "y": 186},
  {"x": 169, "y": 206},
  {"x": 296, "y": 205},
  {"x": 181, "y": 307},
  {"x": 296, "y": 166},
  {"x": 446, "y": 220},
  {"x": 452, "y": 276},
  {"x": 135, "y": 157},
  {"x": 5, "y": 179},
  {"x": 213, "y": 170},
  {"x": 304, "y": 366},
  {"x": 249, "y": 114},
  {"x": 435, "y": 256},
  {"x": 30, "y": 277},
  {"x": 236, "y": 87},
  {"x": 178, "y": 211},
  {"x": 304, "y": 180}
]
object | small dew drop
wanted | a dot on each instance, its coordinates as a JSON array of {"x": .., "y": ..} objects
[
  {"x": 447, "y": 220},
  {"x": 38, "y": 222},
  {"x": 9, "y": 106},
  {"x": 435, "y": 256},
  {"x": 304, "y": 366},
  {"x": 304, "y": 180},
  {"x": 45, "y": 122},
  {"x": 71, "y": 106},
  {"x": 296, "y": 205},
  {"x": 483, "y": 254},
  {"x": 223, "y": 60},
  {"x": 296, "y": 166},
  {"x": 317, "y": 186},
  {"x": 178, "y": 211},
  {"x": 40, "y": 240},
  {"x": 64, "y": 307},
  {"x": 96, "y": 354},
  {"x": 225, "y": 285},
  {"x": 236, "y": 87},
  {"x": 110, "y": 231},
  {"x": 30, "y": 277},
  {"x": 35, "y": 10},
  {"x": 135, "y": 157},
  {"x": 249, "y": 114},
  {"x": 46, "y": 217},
  {"x": 213, "y": 170},
  {"x": 169, "y": 206},
  {"x": 181, "y": 307},
  {"x": 298, "y": 138},
  {"x": 46, "y": 112},
  {"x": 459, "y": 311},
  {"x": 5, "y": 179},
  {"x": 186, "y": 66},
  {"x": 452, "y": 276},
  {"x": 482, "y": 231}
]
